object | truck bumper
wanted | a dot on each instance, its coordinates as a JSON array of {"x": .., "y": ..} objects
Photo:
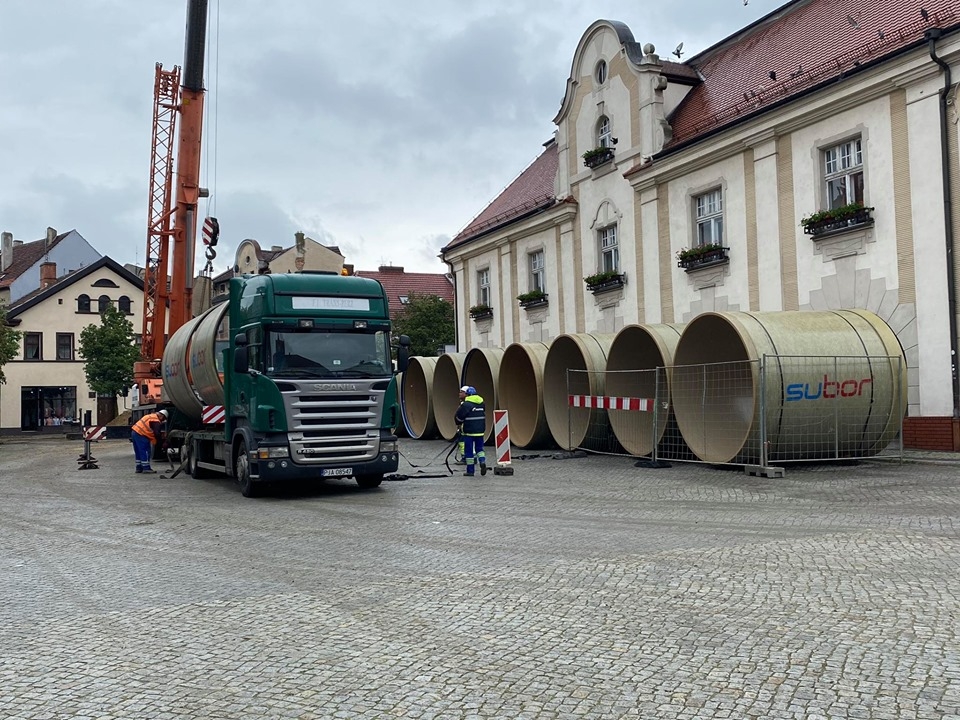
[{"x": 284, "y": 469}]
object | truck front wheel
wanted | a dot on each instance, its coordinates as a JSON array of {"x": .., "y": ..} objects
[
  {"x": 369, "y": 481},
  {"x": 248, "y": 488}
]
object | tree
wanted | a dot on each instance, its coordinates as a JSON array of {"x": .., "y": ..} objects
[
  {"x": 110, "y": 354},
  {"x": 428, "y": 321},
  {"x": 9, "y": 342}
]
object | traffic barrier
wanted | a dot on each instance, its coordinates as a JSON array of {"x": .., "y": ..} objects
[
  {"x": 93, "y": 433},
  {"x": 501, "y": 434}
]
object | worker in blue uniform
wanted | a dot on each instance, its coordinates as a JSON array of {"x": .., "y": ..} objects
[{"x": 472, "y": 421}]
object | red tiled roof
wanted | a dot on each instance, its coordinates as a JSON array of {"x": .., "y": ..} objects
[
  {"x": 25, "y": 256},
  {"x": 398, "y": 283},
  {"x": 804, "y": 44},
  {"x": 532, "y": 190}
]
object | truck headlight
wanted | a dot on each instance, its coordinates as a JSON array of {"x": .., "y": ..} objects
[
  {"x": 388, "y": 446},
  {"x": 277, "y": 451}
]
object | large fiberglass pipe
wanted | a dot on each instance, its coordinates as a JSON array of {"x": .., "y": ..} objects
[
  {"x": 481, "y": 369},
  {"x": 446, "y": 388},
  {"x": 520, "y": 393},
  {"x": 400, "y": 427},
  {"x": 633, "y": 360},
  {"x": 193, "y": 362},
  {"x": 835, "y": 385},
  {"x": 416, "y": 402},
  {"x": 576, "y": 366}
]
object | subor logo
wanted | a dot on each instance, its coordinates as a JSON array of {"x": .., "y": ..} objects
[{"x": 827, "y": 389}]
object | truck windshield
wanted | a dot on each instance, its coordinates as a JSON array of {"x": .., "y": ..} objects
[{"x": 324, "y": 354}]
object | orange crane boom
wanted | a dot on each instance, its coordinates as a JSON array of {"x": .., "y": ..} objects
[{"x": 169, "y": 267}]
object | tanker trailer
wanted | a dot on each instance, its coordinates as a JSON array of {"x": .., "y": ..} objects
[{"x": 290, "y": 378}]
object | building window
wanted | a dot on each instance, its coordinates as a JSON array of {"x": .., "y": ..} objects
[
  {"x": 609, "y": 249},
  {"x": 64, "y": 346},
  {"x": 33, "y": 346},
  {"x": 843, "y": 174},
  {"x": 604, "y": 138},
  {"x": 103, "y": 302},
  {"x": 601, "y": 72},
  {"x": 124, "y": 305},
  {"x": 708, "y": 215},
  {"x": 83, "y": 304},
  {"x": 483, "y": 286},
  {"x": 536, "y": 271}
]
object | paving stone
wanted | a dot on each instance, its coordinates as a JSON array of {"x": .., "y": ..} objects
[{"x": 581, "y": 587}]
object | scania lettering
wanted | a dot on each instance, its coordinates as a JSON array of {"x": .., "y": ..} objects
[
  {"x": 302, "y": 364},
  {"x": 828, "y": 389}
]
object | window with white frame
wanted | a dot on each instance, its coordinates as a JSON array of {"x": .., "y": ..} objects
[
  {"x": 609, "y": 249},
  {"x": 537, "y": 278},
  {"x": 483, "y": 286},
  {"x": 843, "y": 173},
  {"x": 604, "y": 138},
  {"x": 708, "y": 215}
]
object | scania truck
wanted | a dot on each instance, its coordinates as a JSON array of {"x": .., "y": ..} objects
[{"x": 290, "y": 378}]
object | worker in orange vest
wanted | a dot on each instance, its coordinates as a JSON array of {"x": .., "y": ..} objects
[{"x": 146, "y": 433}]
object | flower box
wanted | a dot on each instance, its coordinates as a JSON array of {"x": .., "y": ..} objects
[
  {"x": 841, "y": 218},
  {"x": 532, "y": 299},
  {"x": 597, "y": 156},
  {"x": 692, "y": 258},
  {"x": 604, "y": 281},
  {"x": 481, "y": 312}
]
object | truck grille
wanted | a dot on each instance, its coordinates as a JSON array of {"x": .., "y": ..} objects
[{"x": 333, "y": 427}]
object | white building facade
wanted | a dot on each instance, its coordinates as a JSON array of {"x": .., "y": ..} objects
[{"x": 724, "y": 151}]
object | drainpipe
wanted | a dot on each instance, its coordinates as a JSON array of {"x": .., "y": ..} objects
[
  {"x": 456, "y": 309},
  {"x": 932, "y": 35}
]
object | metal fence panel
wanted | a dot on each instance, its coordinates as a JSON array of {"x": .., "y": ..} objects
[
  {"x": 778, "y": 409},
  {"x": 833, "y": 407}
]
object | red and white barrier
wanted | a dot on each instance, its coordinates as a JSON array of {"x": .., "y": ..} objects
[
  {"x": 602, "y": 402},
  {"x": 501, "y": 434},
  {"x": 213, "y": 414},
  {"x": 94, "y": 433}
]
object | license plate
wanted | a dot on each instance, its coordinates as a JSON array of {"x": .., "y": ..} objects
[{"x": 336, "y": 472}]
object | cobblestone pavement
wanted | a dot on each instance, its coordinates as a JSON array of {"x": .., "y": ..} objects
[{"x": 580, "y": 587}]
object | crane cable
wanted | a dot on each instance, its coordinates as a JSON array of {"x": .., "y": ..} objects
[{"x": 211, "y": 111}]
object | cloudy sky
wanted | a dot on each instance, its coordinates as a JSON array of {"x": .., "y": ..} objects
[{"x": 382, "y": 127}]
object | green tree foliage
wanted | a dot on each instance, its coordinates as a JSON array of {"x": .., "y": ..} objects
[
  {"x": 428, "y": 321},
  {"x": 109, "y": 353},
  {"x": 9, "y": 342}
]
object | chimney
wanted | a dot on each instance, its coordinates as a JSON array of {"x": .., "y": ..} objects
[
  {"x": 51, "y": 236},
  {"x": 391, "y": 268},
  {"x": 6, "y": 250},
  {"x": 48, "y": 274},
  {"x": 276, "y": 248}
]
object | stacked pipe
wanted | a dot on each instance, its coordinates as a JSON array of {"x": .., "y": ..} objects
[
  {"x": 416, "y": 404},
  {"x": 576, "y": 365},
  {"x": 716, "y": 383},
  {"x": 677, "y": 365},
  {"x": 446, "y": 386},
  {"x": 639, "y": 366},
  {"x": 481, "y": 370},
  {"x": 520, "y": 393}
]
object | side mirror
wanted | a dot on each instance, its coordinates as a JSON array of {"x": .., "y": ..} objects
[
  {"x": 403, "y": 353},
  {"x": 240, "y": 340},
  {"x": 241, "y": 359}
]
